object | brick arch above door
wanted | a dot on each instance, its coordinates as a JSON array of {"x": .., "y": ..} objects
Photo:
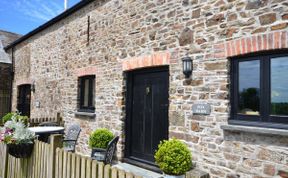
[
  {"x": 153, "y": 60},
  {"x": 24, "y": 81},
  {"x": 255, "y": 43}
]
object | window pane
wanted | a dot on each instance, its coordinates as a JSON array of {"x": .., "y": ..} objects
[
  {"x": 249, "y": 87},
  {"x": 279, "y": 86},
  {"x": 93, "y": 92},
  {"x": 86, "y": 93}
]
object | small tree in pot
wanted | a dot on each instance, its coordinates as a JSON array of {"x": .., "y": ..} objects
[
  {"x": 98, "y": 141},
  {"x": 174, "y": 158}
]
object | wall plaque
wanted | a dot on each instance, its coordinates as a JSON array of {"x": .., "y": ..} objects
[
  {"x": 37, "y": 104},
  {"x": 201, "y": 109}
]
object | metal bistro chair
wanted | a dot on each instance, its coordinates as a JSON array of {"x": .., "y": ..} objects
[
  {"x": 111, "y": 148},
  {"x": 71, "y": 137}
]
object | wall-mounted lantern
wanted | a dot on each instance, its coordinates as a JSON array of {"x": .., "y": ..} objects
[
  {"x": 187, "y": 66},
  {"x": 33, "y": 87}
]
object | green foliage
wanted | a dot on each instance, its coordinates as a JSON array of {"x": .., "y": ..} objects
[
  {"x": 7, "y": 117},
  {"x": 100, "y": 138},
  {"x": 18, "y": 117},
  {"x": 173, "y": 157},
  {"x": 23, "y": 119},
  {"x": 250, "y": 99},
  {"x": 279, "y": 108}
]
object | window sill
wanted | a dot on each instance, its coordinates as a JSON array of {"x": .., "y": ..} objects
[
  {"x": 257, "y": 130},
  {"x": 87, "y": 114}
]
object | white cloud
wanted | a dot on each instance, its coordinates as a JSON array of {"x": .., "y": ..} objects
[{"x": 38, "y": 10}]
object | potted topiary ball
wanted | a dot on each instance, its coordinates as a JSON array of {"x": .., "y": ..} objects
[
  {"x": 174, "y": 158},
  {"x": 98, "y": 141}
]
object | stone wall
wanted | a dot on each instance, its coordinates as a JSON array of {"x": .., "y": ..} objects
[{"x": 136, "y": 30}]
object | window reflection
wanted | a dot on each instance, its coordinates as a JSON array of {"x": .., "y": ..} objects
[
  {"x": 249, "y": 87},
  {"x": 279, "y": 86},
  {"x": 86, "y": 93}
]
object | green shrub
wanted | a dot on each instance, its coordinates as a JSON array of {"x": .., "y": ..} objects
[
  {"x": 9, "y": 116},
  {"x": 100, "y": 138},
  {"x": 23, "y": 119},
  {"x": 173, "y": 157}
]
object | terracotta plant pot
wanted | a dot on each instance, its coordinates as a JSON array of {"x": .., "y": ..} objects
[{"x": 20, "y": 150}]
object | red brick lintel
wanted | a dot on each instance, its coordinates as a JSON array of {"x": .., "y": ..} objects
[
  {"x": 86, "y": 71},
  {"x": 261, "y": 42},
  {"x": 156, "y": 59},
  {"x": 24, "y": 81}
]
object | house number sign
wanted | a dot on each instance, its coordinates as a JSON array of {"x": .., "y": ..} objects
[{"x": 201, "y": 109}]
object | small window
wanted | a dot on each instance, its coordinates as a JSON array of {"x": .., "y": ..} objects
[
  {"x": 86, "y": 93},
  {"x": 259, "y": 90}
]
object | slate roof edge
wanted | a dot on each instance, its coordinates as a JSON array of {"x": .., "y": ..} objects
[{"x": 51, "y": 22}]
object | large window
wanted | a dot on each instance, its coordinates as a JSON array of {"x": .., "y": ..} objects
[
  {"x": 259, "y": 90},
  {"x": 86, "y": 93}
]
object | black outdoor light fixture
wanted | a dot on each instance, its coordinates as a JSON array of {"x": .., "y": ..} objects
[{"x": 187, "y": 66}]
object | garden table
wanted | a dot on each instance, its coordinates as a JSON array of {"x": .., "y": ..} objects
[{"x": 45, "y": 132}]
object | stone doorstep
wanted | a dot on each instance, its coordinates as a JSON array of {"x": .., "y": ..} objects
[
  {"x": 195, "y": 173},
  {"x": 137, "y": 170}
]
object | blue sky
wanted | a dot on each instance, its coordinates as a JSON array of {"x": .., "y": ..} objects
[{"x": 22, "y": 16}]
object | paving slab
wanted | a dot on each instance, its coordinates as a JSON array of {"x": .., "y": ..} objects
[{"x": 137, "y": 170}]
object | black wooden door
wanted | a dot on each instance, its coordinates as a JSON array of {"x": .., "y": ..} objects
[
  {"x": 24, "y": 99},
  {"x": 147, "y": 113}
]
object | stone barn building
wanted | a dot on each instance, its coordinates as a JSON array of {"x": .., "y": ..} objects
[
  {"x": 118, "y": 64},
  {"x": 5, "y": 72}
]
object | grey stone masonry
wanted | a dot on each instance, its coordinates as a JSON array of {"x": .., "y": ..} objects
[{"x": 196, "y": 173}]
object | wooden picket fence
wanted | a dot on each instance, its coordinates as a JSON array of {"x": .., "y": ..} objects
[
  {"x": 41, "y": 164},
  {"x": 51, "y": 161},
  {"x": 35, "y": 166},
  {"x": 36, "y": 121},
  {"x": 75, "y": 166},
  {"x": 33, "y": 122},
  {"x": 4, "y": 159}
]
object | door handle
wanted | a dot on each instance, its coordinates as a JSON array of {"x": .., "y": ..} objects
[{"x": 147, "y": 90}]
